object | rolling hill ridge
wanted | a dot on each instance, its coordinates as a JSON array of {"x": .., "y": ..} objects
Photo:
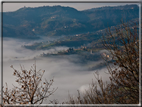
[{"x": 32, "y": 23}]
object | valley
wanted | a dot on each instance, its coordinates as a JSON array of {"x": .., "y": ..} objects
[{"x": 64, "y": 41}]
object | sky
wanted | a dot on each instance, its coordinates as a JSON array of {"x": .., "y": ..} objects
[{"x": 79, "y": 6}]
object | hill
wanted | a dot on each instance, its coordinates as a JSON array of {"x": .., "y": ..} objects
[{"x": 31, "y": 23}]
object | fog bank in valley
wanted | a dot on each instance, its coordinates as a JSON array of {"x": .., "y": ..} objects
[{"x": 68, "y": 76}]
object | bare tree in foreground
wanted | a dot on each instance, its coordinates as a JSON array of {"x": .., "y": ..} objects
[
  {"x": 123, "y": 45},
  {"x": 30, "y": 89}
]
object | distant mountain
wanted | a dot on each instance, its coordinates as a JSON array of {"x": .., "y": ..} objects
[
  {"x": 111, "y": 16},
  {"x": 123, "y": 7},
  {"x": 58, "y": 20}
]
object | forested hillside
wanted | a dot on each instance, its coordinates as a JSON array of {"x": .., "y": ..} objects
[{"x": 57, "y": 20}]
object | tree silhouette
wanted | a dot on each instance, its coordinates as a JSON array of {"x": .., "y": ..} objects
[
  {"x": 124, "y": 49},
  {"x": 123, "y": 88},
  {"x": 30, "y": 90}
]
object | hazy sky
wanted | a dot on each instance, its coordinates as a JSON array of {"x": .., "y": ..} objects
[{"x": 79, "y": 6}]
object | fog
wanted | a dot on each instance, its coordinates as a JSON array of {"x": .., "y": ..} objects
[{"x": 68, "y": 75}]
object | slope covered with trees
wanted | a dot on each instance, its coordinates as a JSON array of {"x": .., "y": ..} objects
[{"x": 57, "y": 20}]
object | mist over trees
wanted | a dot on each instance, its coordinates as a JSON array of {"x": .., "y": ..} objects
[
  {"x": 123, "y": 87},
  {"x": 122, "y": 57}
]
